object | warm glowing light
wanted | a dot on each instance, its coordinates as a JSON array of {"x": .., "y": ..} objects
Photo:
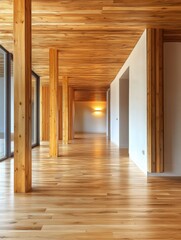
[
  {"x": 98, "y": 109},
  {"x": 98, "y": 113}
]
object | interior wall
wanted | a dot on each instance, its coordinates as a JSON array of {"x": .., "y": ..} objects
[
  {"x": 172, "y": 110},
  {"x": 87, "y": 120},
  {"x": 137, "y": 64},
  {"x": 12, "y": 105},
  {"x": 2, "y": 104},
  {"x": 108, "y": 117}
]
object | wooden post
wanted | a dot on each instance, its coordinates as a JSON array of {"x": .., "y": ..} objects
[
  {"x": 71, "y": 113},
  {"x": 22, "y": 96},
  {"x": 53, "y": 103},
  {"x": 41, "y": 108},
  {"x": 65, "y": 111},
  {"x": 155, "y": 100},
  {"x": 60, "y": 111}
]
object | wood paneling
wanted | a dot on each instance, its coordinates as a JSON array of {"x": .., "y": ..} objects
[
  {"x": 94, "y": 37},
  {"x": 155, "y": 100},
  {"x": 89, "y": 95},
  {"x": 65, "y": 111},
  {"x": 2, "y": 60},
  {"x": 45, "y": 125},
  {"x": 71, "y": 113},
  {"x": 172, "y": 35},
  {"x": 22, "y": 96},
  {"x": 78, "y": 95},
  {"x": 60, "y": 112},
  {"x": 94, "y": 192},
  {"x": 45, "y": 113},
  {"x": 54, "y": 103}
]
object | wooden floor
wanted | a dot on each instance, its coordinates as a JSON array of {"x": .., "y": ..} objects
[{"x": 93, "y": 191}]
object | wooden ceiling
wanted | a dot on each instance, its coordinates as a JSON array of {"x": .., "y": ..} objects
[{"x": 94, "y": 37}]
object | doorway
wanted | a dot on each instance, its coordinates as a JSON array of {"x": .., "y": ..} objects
[{"x": 124, "y": 111}]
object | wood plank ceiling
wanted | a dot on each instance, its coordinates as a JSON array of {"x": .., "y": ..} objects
[{"x": 94, "y": 37}]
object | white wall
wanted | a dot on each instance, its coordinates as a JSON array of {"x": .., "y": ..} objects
[
  {"x": 108, "y": 117},
  {"x": 137, "y": 104},
  {"x": 86, "y": 120},
  {"x": 172, "y": 110},
  {"x": 2, "y": 105}
]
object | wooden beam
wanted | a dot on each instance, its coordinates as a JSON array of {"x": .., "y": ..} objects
[
  {"x": 155, "y": 117},
  {"x": 71, "y": 113},
  {"x": 65, "y": 111},
  {"x": 53, "y": 103},
  {"x": 90, "y": 95},
  {"x": 22, "y": 96}
]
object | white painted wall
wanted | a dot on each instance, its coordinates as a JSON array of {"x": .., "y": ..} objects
[
  {"x": 12, "y": 105},
  {"x": 172, "y": 110},
  {"x": 86, "y": 120},
  {"x": 137, "y": 104},
  {"x": 108, "y": 117},
  {"x": 2, "y": 105}
]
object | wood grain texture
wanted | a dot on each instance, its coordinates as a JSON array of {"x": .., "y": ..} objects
[
  {"x": 159, "y": 102},
  {"x": 54, "y": 103},
  {"x": 22, "y": 96},
  {"x": 60, "y": 118},
  {"x": 94, "y": 37},
  {"x": 75, "y": 95},
  {"x": 93, "y": 192},
  {"x": 71, "y": 111},
  {"x": 65, "y": 110},
  {"x": 90, "y": 95},
  {"x": 45, "y": 112},
  {"x": 155, "y": 117}
]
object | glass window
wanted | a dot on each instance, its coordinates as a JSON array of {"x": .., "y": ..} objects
[
  {"x": 7, "y": 106},
  {"x": 2, "y": 105},
  {"x": 12, "y": 108}
]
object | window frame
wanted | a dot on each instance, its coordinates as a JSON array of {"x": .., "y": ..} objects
[{"x": 7, "y": 79}]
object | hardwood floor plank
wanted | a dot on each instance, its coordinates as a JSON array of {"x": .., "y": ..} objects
[{"x": 93, "y": 191}]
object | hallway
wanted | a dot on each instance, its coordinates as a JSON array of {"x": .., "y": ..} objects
[{"x": 93, "y": 191}]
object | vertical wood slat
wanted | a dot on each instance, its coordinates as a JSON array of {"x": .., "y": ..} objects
[
  {"x": 53, "y": 103},
  {"x": 41, "y": 109},
  {"x": 60, "y": 112},
  {"x": 22, "y": 96},
  {"x": 151, "y": 99},
  {"x": 155, "y": 100},
  {"x": 159, "y": 102},
  {"x": 71, "y": 113},
  {"x": 45, "y": 112},
  {"x": 65, "y": 112}
]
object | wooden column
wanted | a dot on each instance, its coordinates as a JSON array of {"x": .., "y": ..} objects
[
  {"x": 22, "y": 96},
  {"x": 155, "y": 100},
  {"x": 41, "y": 114},
  {"x": 60, "y": 111},
  {"x": 65, "y": 112},
  {"x": 45, "y": 129},
  {"x": 53, "y": 103},
  {"x": 71, "y": 113}
]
